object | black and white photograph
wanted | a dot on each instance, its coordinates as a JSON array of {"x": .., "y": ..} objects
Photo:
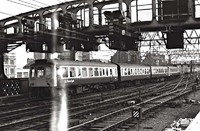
[{"x": 99, "y": 65}]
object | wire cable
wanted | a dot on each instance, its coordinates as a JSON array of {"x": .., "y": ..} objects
[
  {"x": 30, "y": 3},
  {"x": 6, "y": 13},
  {"x": 40, "y": 2},
  {"x": 22, "y": 4}
]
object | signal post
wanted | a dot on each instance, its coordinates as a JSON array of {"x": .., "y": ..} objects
[{"x": 136, "y": 114}]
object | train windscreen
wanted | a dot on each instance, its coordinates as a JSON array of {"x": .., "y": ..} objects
[{"x": 40, "y": 71}]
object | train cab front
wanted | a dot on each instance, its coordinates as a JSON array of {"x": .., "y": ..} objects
[{"x": 41, "y": 80}]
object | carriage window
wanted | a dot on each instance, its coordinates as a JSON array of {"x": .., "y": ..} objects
[
  {"x": 122, "y": 73},
  {"x": 132, "y": 72},
  {"x": 147, "y": 71},
  {"x": 111, "y": 73},
  {"x": 79, "y": 71},
  {"x": 103, "y": 71},
  {"x": 90, "y": 72},
  {"x": 40, "y": 72},
  {"x": 84, "y": 72},
  {"x": 106, "y": 71},
  {"x": 141, "y": 71},
  {"x": 72, "y": 72},
  {"x": 96, "y": 73},
  {"x": 115, "y": 71},
  {"x": 129, "y": 72},
  {"x": 48, "y": 71},
  {"x": 32, "y": 72},
  {"x": 65, "y": 74},
  {"x": 125, "y": 71},
  {"x": 100, "y": 71}
]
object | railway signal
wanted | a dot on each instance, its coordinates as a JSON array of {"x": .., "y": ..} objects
[{"x": 136, "y": 112}]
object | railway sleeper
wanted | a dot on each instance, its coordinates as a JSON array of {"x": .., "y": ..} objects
[
  {"x": 35, "y": 126},
  {"x": 174, "y": 104},
  {"x": 94, "y": 129},
  {"x": 100, "y": 125},
  {"x": 125, "y": 127},
  {"x": 150, "y": 115},
  {"x": 156, "y": 102}
]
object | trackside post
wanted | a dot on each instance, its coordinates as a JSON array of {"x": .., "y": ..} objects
[{"x": 136, "y": 114}]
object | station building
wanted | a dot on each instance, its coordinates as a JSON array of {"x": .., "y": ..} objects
[{"x": 10, "y": 65}]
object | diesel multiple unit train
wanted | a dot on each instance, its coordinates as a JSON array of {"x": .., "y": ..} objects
[{"x": 79, "y": 77}]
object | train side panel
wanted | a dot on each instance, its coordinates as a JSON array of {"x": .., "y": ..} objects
[
  {"x": 173, "y": 71},
  {"x": 159, "y": 71},
  {"x": 130, "y": 72}
]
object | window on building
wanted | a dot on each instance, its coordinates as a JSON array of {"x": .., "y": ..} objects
[
  {"x": 6, "y": 70},
  {"x": 5, "y": 60},
  {"x": 19, "y": 74},
  {"x": 12, "y": 62},
  {"x": 25, "y": 74},
  {"x": 12, "y": 71}
]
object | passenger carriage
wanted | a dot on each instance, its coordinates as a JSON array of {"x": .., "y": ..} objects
[
  {"x": 81, "y": 77},
  {"x": 130, "y": 72},
  {"x": 78, "y": 77},
  {"x": 159, "y": 71},
  {"x": 173, "y": 71}
]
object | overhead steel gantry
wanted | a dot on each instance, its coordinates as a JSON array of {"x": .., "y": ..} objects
[{"x": 84, "y": 24}]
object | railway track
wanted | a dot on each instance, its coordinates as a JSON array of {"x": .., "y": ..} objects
[
  {"x": 41, "y": 121},
  {"x": 119, "y": 117}
]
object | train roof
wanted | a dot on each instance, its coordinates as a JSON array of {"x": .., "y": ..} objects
[{"x": 71, "y": 63}]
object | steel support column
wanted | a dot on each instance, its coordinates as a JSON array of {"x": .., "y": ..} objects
[
  {"x": 120, "y": 5},
  {"x": 153, "y": 10},
  {"x": 91, "y": 14},
  {"x": 2, "y": 73},
  {"x": 41, "y": 22},
  {"x": 128, "y": 9},
  {"x": 100, "y": 16},
  {"x": 191, "y": 9}
]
